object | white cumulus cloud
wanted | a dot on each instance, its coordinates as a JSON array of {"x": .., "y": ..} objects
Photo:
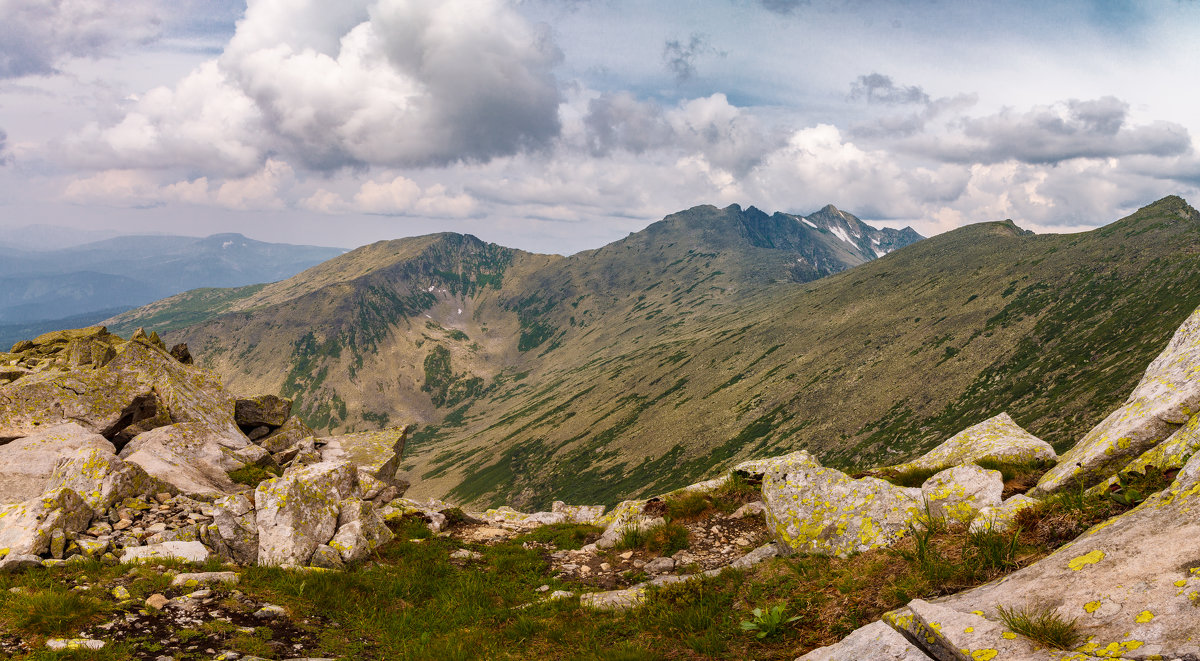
[{"x": 397, "y": 83}]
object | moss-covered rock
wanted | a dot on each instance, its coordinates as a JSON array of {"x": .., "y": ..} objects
[
  {"x": 997, "y": 439},
  {"x": 824, "y": 511},
  {"x": 377, "y": 452},
  {"x": 1132, "y": 583},
  {"x": 26, "y": 528},
  {"x": 102, "y": 478},
  {"x": 360, "y": 530}
]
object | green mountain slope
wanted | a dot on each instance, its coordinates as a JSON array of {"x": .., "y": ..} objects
[{"x": 658, "y": 359}]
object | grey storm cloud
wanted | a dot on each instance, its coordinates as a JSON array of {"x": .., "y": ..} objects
[
  {"x": 680, "y": 57},
  {"x": 878, "y": 88},
  {"x": 785, "y": 7},
  {"x": 727, "y": 137},
  {"x": 1077, "y": 129},
  {"x": 36, "y": 35},
  {"x": 3, "y": 147},
  {"x": 621, "y": 121}
]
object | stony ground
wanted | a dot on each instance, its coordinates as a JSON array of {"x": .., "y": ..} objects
[{"x": 170, "y": 611}]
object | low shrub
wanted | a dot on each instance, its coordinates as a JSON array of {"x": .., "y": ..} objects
[{"x": 252, "y": 475}]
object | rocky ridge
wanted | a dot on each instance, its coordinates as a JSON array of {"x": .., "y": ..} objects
[{"x": 334, "y": 498}]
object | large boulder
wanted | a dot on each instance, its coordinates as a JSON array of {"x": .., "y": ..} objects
[
  {"x": 261, "y": 410},
  {"x": 1132, "y": 583},
  {"x": 824, "y": 511},
  {"x": 944, "y": 633},
  {"x": 26, "y": 527},
  {"x": 102, "y": 401},
  {"x": 996, "y": 439},
  {"x": 1171, "y": 454},
  {"x": 141, "y": 382},
  {"x": 957, "y": 494},
  {"x": 26, "y": 464},
  {"x": 377, "y": 452},
  {"x": 191, "y": 456},
  {"x": 299, "y": 511},
  {"x": 102, "y": 478},
  {"x": 1166, "y": 397}
]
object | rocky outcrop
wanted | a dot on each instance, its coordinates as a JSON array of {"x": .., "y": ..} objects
[
  {"x": 1167, "y": 396},
  {"x": 822, "y": 510},
  {"x": 1132, "y": 584},
  {"x": 377, "y": 452},
  {"x": 262, "y": 410},
  {"x": 759, "y": 467},
  {"x": 27, "y": 463},
  {"x": 108, "y": 385},
  {"x": 191, "y": 456},
  {"x": 997, "y": 439},
  {"x": 233, "y": 532}
]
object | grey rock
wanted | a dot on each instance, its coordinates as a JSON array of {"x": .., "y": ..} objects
[
  {"x": 875, "y": 642},
  {"x": 28, "y": 526},
  {"x": 996, "y": 439},
  {"x": 825, "y": 511}
]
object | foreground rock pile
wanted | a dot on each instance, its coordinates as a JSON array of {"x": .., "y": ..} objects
[{"x": 121, "y": 451}]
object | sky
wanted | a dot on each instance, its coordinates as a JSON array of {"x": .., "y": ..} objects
[{"x": 562, "y": 125}]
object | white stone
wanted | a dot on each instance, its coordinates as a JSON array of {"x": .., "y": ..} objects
[
  {"x": 187, "y": 551},
  {"x": 875, "y": 642}
]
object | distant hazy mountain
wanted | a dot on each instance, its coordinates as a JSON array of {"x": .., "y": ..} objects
[
  {"x": 49, "y": 237},
  {"x": 127, "y": 271},
  {"x": 652, "y": 362}
]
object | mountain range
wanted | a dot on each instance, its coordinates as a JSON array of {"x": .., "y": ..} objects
[{"x": 711, "y": 336}]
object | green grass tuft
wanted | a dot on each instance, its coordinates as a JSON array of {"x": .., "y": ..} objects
[{"x": 1042, "y": 625}]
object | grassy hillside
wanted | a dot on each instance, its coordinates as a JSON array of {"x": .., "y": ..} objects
[{"x": 654, "y": 361}]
